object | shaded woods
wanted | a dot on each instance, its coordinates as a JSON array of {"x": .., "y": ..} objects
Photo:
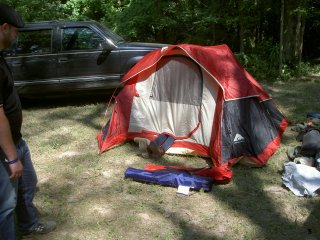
[{"x": 269, "y": 37}]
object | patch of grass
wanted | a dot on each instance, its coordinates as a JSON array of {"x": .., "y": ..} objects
[{"x": 90, "y": 199}]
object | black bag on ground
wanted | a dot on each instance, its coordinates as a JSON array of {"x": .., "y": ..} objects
[{"x": 310, "y": 142}]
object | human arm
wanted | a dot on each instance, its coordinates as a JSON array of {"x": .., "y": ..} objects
[{"x": 8, "y": 147}]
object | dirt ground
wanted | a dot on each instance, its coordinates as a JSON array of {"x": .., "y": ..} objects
[{"x": 87, "y": 195}]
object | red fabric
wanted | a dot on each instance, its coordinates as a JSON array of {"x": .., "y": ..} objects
[
  {"x": 234, "y": 81},
  {"x": 219, "y": 174},
  {"x": 215, "y": 144},
  {"x": 198, "y": 149},
  {"x": 218, "y": 60},
  {"x": 119, "y": 121}
]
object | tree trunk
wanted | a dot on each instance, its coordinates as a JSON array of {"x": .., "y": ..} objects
[
  {"x": 294, "y": 21},
  {"x": 303, "y": 24},
  {"x": 281, "y": 38},
  {"x": 214, "y": 14},
  {"x": 240, "y": 26},
  {"x": 241, "y": 36}
]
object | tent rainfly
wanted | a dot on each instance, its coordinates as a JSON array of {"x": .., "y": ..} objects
[{"x": 204, "y": 98}]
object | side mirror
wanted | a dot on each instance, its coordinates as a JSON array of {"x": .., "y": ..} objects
[
  {"x": 106, "y": 47},
  {"x": 103, "y": 56}
]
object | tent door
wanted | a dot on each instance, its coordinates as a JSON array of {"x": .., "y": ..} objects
[{"x": 169, "y": 99}]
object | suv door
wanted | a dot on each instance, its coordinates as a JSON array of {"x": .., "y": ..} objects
[
  {"x": 86, "y": 60},
  {"x": 33, "y": 61}
]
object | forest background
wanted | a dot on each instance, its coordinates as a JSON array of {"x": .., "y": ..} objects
[
  {"x": 86, "y": 194},
  {"x": 272, "y": 39}
]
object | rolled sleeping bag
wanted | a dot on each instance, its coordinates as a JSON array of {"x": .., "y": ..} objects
[{"x": 170, "y": 178}]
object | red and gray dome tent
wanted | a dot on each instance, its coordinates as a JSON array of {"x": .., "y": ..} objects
[{"x": 204, "y": 98}]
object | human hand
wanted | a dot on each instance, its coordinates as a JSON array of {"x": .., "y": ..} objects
[{"x": 16, "y": 170}]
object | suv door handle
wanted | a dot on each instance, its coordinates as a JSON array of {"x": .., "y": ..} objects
[
  {"x": 16, "y": 64},
  {"x": 62, "y": 60}
]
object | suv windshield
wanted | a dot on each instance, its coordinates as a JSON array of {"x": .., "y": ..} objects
[{"x": 114, "y": 37}]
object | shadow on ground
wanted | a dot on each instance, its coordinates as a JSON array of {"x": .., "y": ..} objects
[
  {"x": 273, "y": 214},
  {"x": 64, "y": 101}
]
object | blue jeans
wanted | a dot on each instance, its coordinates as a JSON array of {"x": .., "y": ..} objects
[
  {"x": 22, "y": 201},
  {"x": 8, "y": 199},
  {"x": 26, "y": 212}
]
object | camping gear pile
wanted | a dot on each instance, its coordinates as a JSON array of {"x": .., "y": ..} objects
[
  {"x": 308, "y": 152},
  {"x": 205, "y": 101},
  {"x": 302, "y": 174}
]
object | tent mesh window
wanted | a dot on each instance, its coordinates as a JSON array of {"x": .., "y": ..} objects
[{"x": 178, "y": 79}]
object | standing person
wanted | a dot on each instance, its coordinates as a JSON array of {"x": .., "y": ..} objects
[{"x": 16, "y": 168}]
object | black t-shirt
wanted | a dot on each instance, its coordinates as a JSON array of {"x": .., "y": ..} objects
[{"x": 10, "y": 100}]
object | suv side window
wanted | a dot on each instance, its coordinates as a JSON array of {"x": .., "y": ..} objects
[
  {"x": 32, "y": 42},
  {"x": 80, "y": 38}
]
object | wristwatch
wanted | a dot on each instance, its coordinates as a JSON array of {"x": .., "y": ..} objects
[{"x": 11, "y": 161}]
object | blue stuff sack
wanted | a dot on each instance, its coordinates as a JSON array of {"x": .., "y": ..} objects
[
  {"x": 170, "y": 178},
  {"x": 313, "y": 115}
]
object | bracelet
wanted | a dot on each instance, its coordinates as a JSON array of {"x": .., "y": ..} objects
[{"x": 11, "y": 161}]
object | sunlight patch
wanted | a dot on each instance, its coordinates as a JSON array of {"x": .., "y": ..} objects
[
  {"x": 144, "y": 216},
  {"x": 69, "y": 154},
  {"x": 102, "y": 211},
  {"x": 43, "y": 180},
  {"x": 107, "y": 173},
  {"x": 129, "y": 161}
]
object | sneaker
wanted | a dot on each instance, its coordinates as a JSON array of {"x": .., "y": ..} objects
[
  {"x": 41, "y": 228},
  {"x": 156, "y": 150},
  {"x": 309, "y": 161},
  {"x": 143, "y": 146},
  {"x": 293, "y": 152},
  {"x": 299, "y": 127}
]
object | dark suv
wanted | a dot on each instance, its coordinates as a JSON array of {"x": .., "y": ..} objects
[{"x": 58, "y": 57}]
